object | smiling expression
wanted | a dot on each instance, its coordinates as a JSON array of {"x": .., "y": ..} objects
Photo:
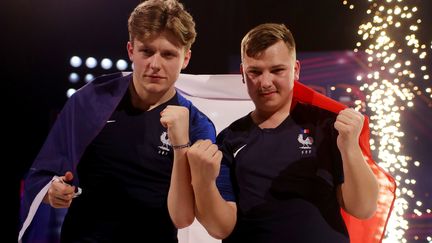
[{"x": 270, "y": 78}]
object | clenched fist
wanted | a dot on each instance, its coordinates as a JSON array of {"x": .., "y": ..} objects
[
  {"x": 349, "y": 124},
  {"x": 60, "y": 193},
  {"x": 204, "y": 161},
  {"x": 176, "y": 120}
]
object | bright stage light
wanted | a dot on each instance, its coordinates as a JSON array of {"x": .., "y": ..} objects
[
  {"x": 106, "y": 63},
  {"x": 74, "y": 77},
  {"x": 80, "y": 74},
  {"x": 88, "y": 77},
  {"x": 91, "y": 62},
  {"x": 70, "y": 92},
  {"x": 75, "y": 61},
  {"x": 121, "y": 65}
]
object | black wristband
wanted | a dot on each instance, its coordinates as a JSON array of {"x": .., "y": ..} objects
[{"x": 182, "y": 146}]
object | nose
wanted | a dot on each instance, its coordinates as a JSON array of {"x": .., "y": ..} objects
[
  {"x": 155, "y": 62},
  {"x": 266, "y": 80}
]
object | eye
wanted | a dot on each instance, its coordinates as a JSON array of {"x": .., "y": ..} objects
[
  {"x": 278, "y": 70},
  {"x": 169, "y": 54},
  {"x": 147, "y": 52},
  {"x": 253, "y": 73}
]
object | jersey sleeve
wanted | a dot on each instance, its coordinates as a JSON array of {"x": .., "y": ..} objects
[{"x": 223, "y": 181}]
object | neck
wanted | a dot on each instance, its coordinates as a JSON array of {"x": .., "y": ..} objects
[
  {"x": 146, "y": 101},
  {"x": 271, "y": 119}
]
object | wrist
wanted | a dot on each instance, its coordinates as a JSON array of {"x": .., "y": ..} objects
[
  {"x": 181, "y": 146},
  {"x": 200, "y": 186}
]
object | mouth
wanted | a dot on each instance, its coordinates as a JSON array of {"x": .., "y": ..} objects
[
  {"x": 154, "y": 76},
  {"x": 267, "y": 93}
]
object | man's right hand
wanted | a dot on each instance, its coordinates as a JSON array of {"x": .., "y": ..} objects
[
  {"x": 204, "y": 161},
  {"x": 60, "y": 193}
]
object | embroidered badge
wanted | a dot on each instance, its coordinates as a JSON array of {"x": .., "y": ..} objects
[
  {"x": 164, "y": 148},
  {"x": 306, "y": 141}
]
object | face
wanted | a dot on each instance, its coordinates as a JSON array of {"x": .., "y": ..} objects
[
  {"x": 270, "y": 78},
  {"x": 157, "y": 64}
]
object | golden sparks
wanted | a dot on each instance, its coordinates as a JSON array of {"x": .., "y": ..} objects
[{"x": 397, "y": 74}]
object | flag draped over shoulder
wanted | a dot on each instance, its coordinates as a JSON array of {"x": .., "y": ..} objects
[
  {"x": 216, "y": 95},
  {"x": 360, "y": 231}
]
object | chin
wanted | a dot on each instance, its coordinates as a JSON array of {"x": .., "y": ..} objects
[{"x": 155, "y": 87}]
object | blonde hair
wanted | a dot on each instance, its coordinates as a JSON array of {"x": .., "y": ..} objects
[{"x": 153, "y": 17}]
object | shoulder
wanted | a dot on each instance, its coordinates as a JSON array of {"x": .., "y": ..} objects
[
  {"x": 309, "y": 113},
  {"x": 237, "y": 129},
  {"x": 201, "y": 126},
  {"x": 195, "y": 113},
  {"x": 104, "y": 92},
  {"x": 183, "y": 101},
  {"x": 244, "y": 123},
  {"x": 108, "y": 83},
  {"x": 107, "y": 78}
]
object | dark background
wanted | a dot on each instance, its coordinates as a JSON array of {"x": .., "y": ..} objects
[{"x": 39, "y": 37}]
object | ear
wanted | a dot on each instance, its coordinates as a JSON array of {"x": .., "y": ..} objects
[
  {"x": 130, "y": 50},
  {"x": 186, "y": 59},
  {"x": 297, "y": 70},
  {"x": 242, "y": 72}
]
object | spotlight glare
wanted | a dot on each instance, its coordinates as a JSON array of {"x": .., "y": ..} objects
[
  {"x": 75, "y": 61},
  {"x": 74, "y": 78},
  {"x": 91, "y": 62},
  {"x": 121, "y": 65},
  {"x": 106, "y": 63},
  {"x": 89, "y": 77},
  {"x": 70, "y": 92}
]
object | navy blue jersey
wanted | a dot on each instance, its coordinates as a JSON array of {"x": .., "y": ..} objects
[
  {"x": 125, "y": 175},
  {"x": 284, "y": 179},
  {"x": 98, "y": 127}
]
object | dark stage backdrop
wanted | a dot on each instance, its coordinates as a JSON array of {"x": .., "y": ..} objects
[{"x": 39, "y": 37}]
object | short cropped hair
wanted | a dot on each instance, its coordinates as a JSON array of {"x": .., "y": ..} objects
[
  {"x": 265, "y": 35},
  {"x": 153, "y": 17}
]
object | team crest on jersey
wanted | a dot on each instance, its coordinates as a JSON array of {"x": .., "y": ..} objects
[
  {"x": 165, "y": 147},
  {"x": 306, "y": 141}
]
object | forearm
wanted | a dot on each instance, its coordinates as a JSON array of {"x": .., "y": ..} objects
[
  {"x": 180, "y": 194},
  {"x": 360, "y": 187},
  {"x": 214, "y": 213}
]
